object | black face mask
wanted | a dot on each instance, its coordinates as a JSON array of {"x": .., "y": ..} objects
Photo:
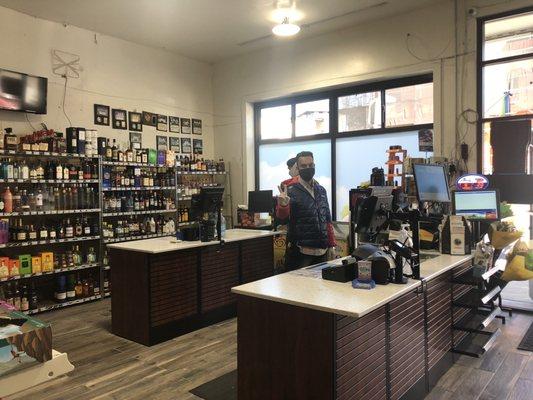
[{"x": 307, "y": 173}]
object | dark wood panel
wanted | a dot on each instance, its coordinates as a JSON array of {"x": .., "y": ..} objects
[
  {"x": 407, "y": 347},
  {"x": 173, "y": 286},
  {"x": 219, "y": 273},
  {"x": 257, "y": 259},
  {"x": 285, "y": 352},
  {"x": 361, "y": 355},
  {"x": 130, "y": 316}
]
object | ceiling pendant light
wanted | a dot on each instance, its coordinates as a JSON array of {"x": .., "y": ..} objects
[{"x": 285, "y": 28}]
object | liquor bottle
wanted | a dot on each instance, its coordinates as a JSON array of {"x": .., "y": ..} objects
[
  {"x": 16, "y": 200},
  {"x": 10, "y": 294},
  {"x": 78, "y": 288},
  {"x": 7, "y": 201},
  {"x": 39, "y": 200},
  {"x": 66, "y": 172},
  {"x": 91, "y": 256},
  {"x": 129, "y": 155},
  {"x": 22, "y": 232},
  {"x": 105, "y": 258},
  {"x": 85, "y": 288},
  {"x": 61, "y": 289},
  {"x": 69, "y": 229},
  {"x": 40, "y": 171},
  {"x": 114, "y": 151},
  {"x": 59, "y": 171},
  {"x": 96, "y": 287},
  {"x": 43, "y": 232},
  {"x": 78, "y": 228},
  {"x": 86, "y": 227},
  {"x": 25, "y": 171},
  {"x": 24, "y": 299},
  {"x": 108, "y": 151},
  {"x": 32, "y": 297},
  {"x": 32, "y": 233},
  {"x": 71, "y": 284},
  {"x": 76, "y": 255}
]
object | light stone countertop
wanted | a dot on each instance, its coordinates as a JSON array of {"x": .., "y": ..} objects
[
  {"x": 169, "y": 243},
  {"x": 340, "y": 298}
]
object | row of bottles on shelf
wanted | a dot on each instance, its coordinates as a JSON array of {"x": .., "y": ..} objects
[
  {"x": 26, "y": 297},
  {"x": 195, "y": 164},
  {"x": 142, "y": 201},
  {"x": 112, "y": 152},
  {"x": 184, "y": 215},
  {"x": 49, "y": 230},
  {"x": 47, "y": 198},
  {"x": 137, "y": 178},
  {"x": 48, "y": 261},
  {"x": 134, "y": 227},
  {"x": 189, "y": 188},
  {"x": 13, "y": 169}
]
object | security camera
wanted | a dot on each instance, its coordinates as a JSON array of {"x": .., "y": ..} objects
[{"x": 472, "y": 12}]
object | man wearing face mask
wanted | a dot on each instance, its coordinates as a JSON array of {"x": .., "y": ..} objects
[{"x": 304, "y": 206}]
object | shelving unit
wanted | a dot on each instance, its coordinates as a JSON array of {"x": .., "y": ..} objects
[
  {"x": 50, "y": 217},
  {"x": 475, "y": 310}
]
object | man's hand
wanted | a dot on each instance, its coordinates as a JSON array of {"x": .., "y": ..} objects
[{"x": 283, "y": 198}]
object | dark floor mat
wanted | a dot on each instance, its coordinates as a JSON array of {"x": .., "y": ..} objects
[
  {"x": 222, "y": 388},
  {"x": 527, "y": 340}
]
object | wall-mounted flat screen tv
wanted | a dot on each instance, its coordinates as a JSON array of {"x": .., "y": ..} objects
[{"x": 22, "y": 92}]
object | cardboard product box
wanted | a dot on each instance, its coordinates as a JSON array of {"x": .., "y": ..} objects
[
  {"x": 36, "y": 264},
  {"x": 25, "y": 264},
  {"x": 4, "y": 267},
  {"x": 23, "y": 343},
  {"x": 47, "y": 261},
  {"x": 14, "y": 267}
]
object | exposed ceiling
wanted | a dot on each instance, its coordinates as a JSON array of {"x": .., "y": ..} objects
[{"x": 207, "y": 30}]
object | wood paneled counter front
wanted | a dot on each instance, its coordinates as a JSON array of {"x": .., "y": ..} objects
[
  {"x": 162, "y": 288},
  {"x": 302, "y": 337}
]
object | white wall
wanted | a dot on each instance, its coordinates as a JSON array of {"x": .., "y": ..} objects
[
  {"x": 115, "y": 72},
  {"x": 373, "y": 51}
]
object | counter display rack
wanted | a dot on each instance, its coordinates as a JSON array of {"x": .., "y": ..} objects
[{"x": 475, "y": 310}]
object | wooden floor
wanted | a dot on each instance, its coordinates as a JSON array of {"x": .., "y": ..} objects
[{"x": 108, "y": 367}]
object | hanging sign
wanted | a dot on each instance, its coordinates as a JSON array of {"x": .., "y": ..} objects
[{"x": 472, "y": 182}]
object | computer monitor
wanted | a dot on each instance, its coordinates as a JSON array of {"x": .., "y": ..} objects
[
  {"x": 431, "y": 183},
  {"x": 260, "y": 201},
  {"x": 481, "y": 205},
  {"x": 208, "y": 201}
]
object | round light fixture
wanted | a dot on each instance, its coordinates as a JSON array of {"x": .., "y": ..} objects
[{"x": 285, "y": 28}]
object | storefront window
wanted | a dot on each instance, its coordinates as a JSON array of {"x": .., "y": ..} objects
[
  {"x": 508, "y": 37},
  {"x": 312, "y": 117},
  {"x": 359, "y": 112},
  {"x": 356, "y": 156},
  {"x": 508, "y": 89},
  {"x": 409, "y": 105},
  {"x": 273, "y": 167},
  {"x": 276, "y": 122}
]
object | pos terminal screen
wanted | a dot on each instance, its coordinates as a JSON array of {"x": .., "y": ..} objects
[
  {"x": 431, "y": 183},
  {"x": 478, "y": 205}
]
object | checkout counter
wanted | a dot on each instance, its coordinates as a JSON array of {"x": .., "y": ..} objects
[{"x": 308, "y": 334}]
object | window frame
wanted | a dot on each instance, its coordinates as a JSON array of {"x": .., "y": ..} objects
[
  {"x": 333, "y": 134},
  {"x": 481, "y": 64}
]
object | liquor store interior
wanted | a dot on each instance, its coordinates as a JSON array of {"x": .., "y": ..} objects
[{"x": 289, "y": 199}]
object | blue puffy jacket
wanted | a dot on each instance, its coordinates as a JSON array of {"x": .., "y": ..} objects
[{"x": 308, "y": 217}]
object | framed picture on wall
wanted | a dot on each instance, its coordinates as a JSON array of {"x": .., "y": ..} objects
[
  {"x": 149, "y": 119},
  {"x": 174, "y": 124},
  {"x": 136, "y": 140},
  {"x": 185, "y": 125},
  {"x": 186, "y": 147},
  {"x": 119, "y": 118},
  {"x": 101, "y": 114},
  {"x": 135, "y": 121},
  {"x": 175, "y": 144},
  {"x": 196, "y": 126},
  {"x": 161, "y": 142},
  {"x": 197, "y": 146},
  {"x": 162, "y": 123}
]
